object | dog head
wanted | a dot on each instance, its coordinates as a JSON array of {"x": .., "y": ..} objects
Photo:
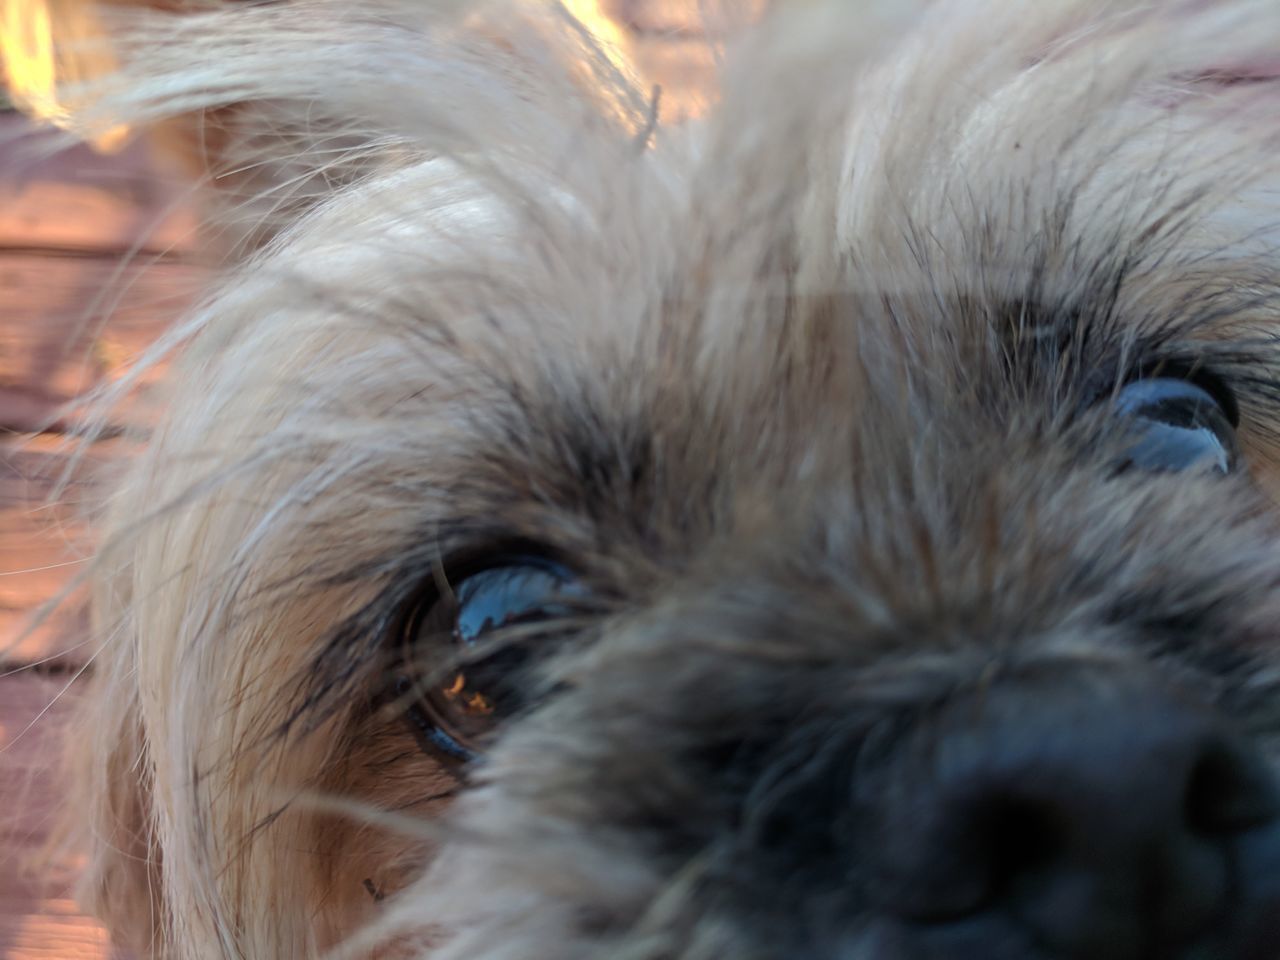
[{"x": 843, "y": 527}]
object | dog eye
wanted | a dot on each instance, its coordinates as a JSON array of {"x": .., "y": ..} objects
[
  {"x": 483, "y": 633},
  {"x": 1178, "y": 425}
]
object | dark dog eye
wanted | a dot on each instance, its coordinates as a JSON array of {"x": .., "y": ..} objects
[
  {"x": 1178, "y": 425},
  {"x": 467, "y": 648}
]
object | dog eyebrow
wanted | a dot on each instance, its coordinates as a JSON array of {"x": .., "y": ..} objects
[
  {"x": 1094, "y": 326},
  {"x": 563, "y": 445}
]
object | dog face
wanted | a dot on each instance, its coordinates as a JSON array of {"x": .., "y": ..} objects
[{"x": 843, "y": 528}]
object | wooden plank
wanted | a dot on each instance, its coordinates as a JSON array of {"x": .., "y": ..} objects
[
  {"x": 91, "y": 219},
  {"x": 65, "y": 324},
  {"x": 684, "y": 69},
  {"x": 53, "y": 346},
  {"x": 657, "y": 19},
  {"x": 44, "y": 541},
  {"x": 38, "y": 919},
  {"x": 76, "y": 200},
  {"x": 69, "y": 310}
]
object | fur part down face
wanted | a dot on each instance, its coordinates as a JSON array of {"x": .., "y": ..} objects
[{"x": 842, "y": 526}]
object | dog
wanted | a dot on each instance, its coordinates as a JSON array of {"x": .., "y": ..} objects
[{"x": 839, "y": 526}]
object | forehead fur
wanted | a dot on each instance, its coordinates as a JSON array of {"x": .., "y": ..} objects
[
  {"x": 1091, "y": 151},
  {"x": 1091, "y": 186}
]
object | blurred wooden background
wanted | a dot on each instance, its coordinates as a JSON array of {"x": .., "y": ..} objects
[{"x": 83, "y": 237}]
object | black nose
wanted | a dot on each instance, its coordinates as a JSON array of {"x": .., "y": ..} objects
[{"x": 1105, "y": 819}]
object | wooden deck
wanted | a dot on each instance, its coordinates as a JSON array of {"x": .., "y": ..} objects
[{"x": 67, "y": 225}]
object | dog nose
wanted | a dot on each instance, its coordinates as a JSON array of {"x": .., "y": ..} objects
[{"x": 1117, "y": 824}]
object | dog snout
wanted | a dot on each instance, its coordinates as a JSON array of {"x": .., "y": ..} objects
[{"x": 1113, "y": 827}]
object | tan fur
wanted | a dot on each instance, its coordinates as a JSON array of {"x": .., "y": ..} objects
[{"x": 510, "y": 224}]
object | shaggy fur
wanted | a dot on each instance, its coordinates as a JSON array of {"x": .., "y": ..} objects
[{"x": 812, "y": 396}]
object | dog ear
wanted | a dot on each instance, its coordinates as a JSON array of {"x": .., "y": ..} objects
[{"x": 281, "y": 105}]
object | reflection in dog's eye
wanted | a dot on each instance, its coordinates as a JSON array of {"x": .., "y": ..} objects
[
  {"x": 467, "y": 648},
  {"x": 1178, "y": 425}
]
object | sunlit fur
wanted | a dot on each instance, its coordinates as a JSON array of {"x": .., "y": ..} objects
[{"x": 812, "y": 393}]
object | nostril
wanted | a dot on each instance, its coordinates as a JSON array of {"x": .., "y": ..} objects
[
  {"x": 1023, "y": 838},
  {"x": 1229, "y": 790},
  {"x": 974, "y": 854}
]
